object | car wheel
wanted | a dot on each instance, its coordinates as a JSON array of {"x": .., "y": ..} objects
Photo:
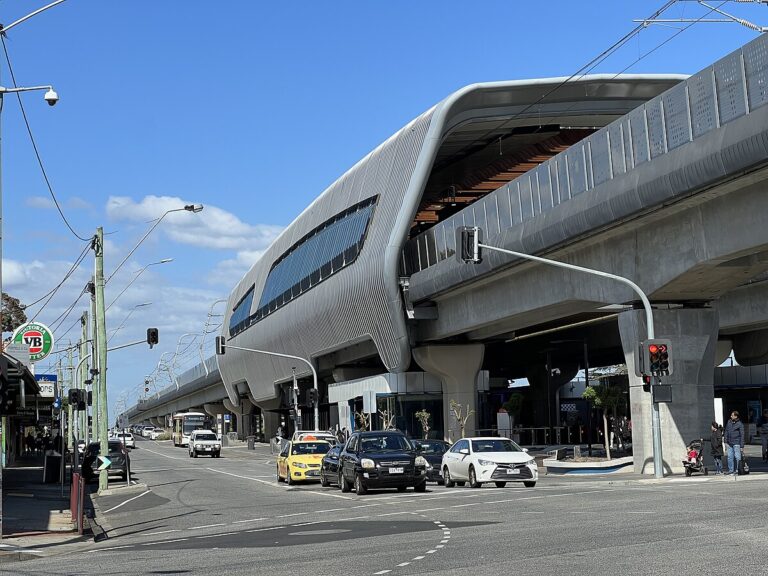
[
  {"x": 473, "y": 483},
  {"x": 194, "y": 453},
  {"x": 529, "y": 484},
  {"x": 323, "y": 480},
  {"x": 279, "y": 478},
  {"x": 447, "y": 480},
  {"x": 500, "y": 484},
  {"x": 190, "y": 454},
  {"x": 421, "y": 487},
  {"x": 360, "y": 488},
  {"x": 291, "y": 481},
  {"x": 342, "y": 482}
]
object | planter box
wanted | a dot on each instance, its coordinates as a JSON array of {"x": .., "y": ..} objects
[{"x": 613, "y": 466}]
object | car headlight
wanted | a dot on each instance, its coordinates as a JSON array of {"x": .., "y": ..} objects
[
  {"x": 217, "y": 446},
  {"x": 531, "y": 462},
  {"x": 486, "y": 462},
  {"x": 367, "y": 463},
  {"x": 300, "y": 465},
  {"x": 198, "y": 445},
  {"x": 421, "y": 461}
]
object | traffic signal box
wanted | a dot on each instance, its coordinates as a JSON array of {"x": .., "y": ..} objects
[{"x": 657, "y": 357}]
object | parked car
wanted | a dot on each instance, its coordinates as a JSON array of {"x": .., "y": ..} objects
[
  {"x": 488, "y": 459},
  {"x": 204, "y": 442},
  {"x": 117, "y": 454},
  {"x": 433, "y": 451},
  {"x": 300, "y": 460},
  {"x": 126, "y": 438},
  {"x": 146, "y": 430},
  {"x": 381, "y": 460},
  {"x": 329, "y": 467},
  {"x": 156, "y": 433}
]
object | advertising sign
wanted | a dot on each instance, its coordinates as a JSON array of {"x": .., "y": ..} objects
[
  {"x": 36, "y": 337},
  {"x": 47, "y": 383}
]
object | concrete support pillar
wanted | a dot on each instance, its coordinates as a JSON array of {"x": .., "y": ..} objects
[
  {"x": 270, "y": 420},
  {"x": 693, "y": 333},
  {"x": 545, "y": 381},
  {"x": 157, "y": 422},
  {"x": 457, "y": 367},
  {"x": 237, "y": 412}
]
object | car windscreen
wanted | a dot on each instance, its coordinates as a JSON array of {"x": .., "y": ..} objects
[
  {"x": 205, "y": 437},
  {"x": 490, "y": 445},
  {"x": 433, "y": 447},
  {"x": 310, "y": 448},
  {"x": 385, "y": 442}
]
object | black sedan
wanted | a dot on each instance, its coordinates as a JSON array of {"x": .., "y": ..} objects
[
  {"x": 117, "y": 454},
  {"x": 433, "y": 451},
  {"x": 329, "y": 468},
  {"x": 381, "y": 460}
]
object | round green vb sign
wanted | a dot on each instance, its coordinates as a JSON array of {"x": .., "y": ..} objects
[{"x": 37, "y": 337}]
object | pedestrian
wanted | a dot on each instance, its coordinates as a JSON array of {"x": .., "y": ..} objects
[
  {"x": 764, "y": 434},
  {"x": 734, "y": 442},
  {"x": 717, "y": 446}
]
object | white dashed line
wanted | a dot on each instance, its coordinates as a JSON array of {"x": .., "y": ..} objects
[
  {"x": 250, "y": 520},
  {"x": 403, "y": 564},
  {"x": 419, "y": 557},
  {"x": 382, "y": 572},
  {"x": 290, "y": 515},
  {"x": 206, "y": 526}
]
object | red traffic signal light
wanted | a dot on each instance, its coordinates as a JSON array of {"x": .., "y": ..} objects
[
  {"x": 656, "y": 359},
  {"x": 653, "y": 348}
]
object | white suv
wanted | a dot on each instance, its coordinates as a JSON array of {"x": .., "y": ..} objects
[{"x": 204, "y": 442}]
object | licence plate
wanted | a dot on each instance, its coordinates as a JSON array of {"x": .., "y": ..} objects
[
  {"x": 513, "y": 471},
  {"x": 396, "y": 470},
  {"x": 207, "y": 448}
]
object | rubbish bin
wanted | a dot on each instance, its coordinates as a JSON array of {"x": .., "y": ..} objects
[{"x": 251, "y": 442}]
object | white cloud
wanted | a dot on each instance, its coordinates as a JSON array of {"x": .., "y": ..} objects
[
  {"x": 213, "y": 228},
  {"x": 40, "y": 202},
  {"x": 228, "y": 272}
]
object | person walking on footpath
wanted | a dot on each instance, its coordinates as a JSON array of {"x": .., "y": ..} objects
[
  {"x": 717, "y": 446},
  {"x": 734, "y": 442},
  {"x": 764, "y": 434}
]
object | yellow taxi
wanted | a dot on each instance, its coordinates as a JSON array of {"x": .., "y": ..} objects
[{"x": 300, "y": 460}]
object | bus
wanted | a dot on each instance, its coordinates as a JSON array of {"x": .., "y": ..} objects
[{"x": 184, "y": 423}]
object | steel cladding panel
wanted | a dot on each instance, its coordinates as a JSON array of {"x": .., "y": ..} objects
[{"x": 352, "y": 304}]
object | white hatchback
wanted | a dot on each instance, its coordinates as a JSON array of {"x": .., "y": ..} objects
[{"x": 488, "y": 459}]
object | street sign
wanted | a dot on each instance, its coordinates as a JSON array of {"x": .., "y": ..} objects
[
  {"x": 48, "y": 384},
  {"x": 19, "y": 351},
  {"x": 105, "y": 462},
  {"x": 369, "y": 401},
  {"x": 36, "y": 337}
]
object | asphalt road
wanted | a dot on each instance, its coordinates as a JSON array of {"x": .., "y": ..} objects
[{"x": 229, "y": 516}]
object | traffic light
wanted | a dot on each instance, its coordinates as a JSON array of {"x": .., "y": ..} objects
[
  {"x": 153, "y": 336},
  {"x": 75, "y": 397},
  {"x": 657, "y": 357},
  {"x": 220, "y": 345},
  {"x": 468, "y": 239},
  {"x": 7, "y": 400}
]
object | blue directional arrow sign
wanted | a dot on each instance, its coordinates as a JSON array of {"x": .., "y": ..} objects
[{"x": 105, "y": 462}]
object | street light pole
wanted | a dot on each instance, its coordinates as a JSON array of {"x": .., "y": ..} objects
[{"x": 136, "y": 277}]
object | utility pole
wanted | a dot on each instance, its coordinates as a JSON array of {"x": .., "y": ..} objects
[
  {"x": 82, "y": 376},
  {"x": 94, "y": 375},
  {"x": 101, "y": 338},
  {"x": 70, "y": 409}
]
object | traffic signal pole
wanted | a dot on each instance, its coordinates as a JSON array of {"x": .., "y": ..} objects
[
  {"x": 221, "y": 346},
  {"x": 101, "y": 339},
  {"x": 655, "y": 419}
]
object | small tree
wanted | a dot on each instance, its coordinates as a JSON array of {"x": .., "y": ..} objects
[
  {"x": 363, "y": 420},
  {"x": 13, "y": 314},
  {"x": 606, "y": 398},
  {"x": 423, "y": 417},
  {"x": 387, "y": 419},
  {"x": 457, "y": 410}
]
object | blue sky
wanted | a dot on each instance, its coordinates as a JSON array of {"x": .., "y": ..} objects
[{"x": 252, "y": 109}]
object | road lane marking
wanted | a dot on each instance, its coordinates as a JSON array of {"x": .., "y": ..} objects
[
  {"x": 247, "y": 478},
  {"x": 419, "y": 557},
  {"x": 161, "y": 454},
  {"x": 382, "y": 572},
  {"x": 215, "y": 535},
  {"x": 289, "y": 515},
  {"x": 249, "y": 520},
  {"x": 206, "y": 526},
  {"x": 403, "y": 564},
  {"x": 126, "y": 502},
  {"x": 327, "y": 494},
  {"x": 265, "y": 529},
  {"x": 330, "y": 510}
]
